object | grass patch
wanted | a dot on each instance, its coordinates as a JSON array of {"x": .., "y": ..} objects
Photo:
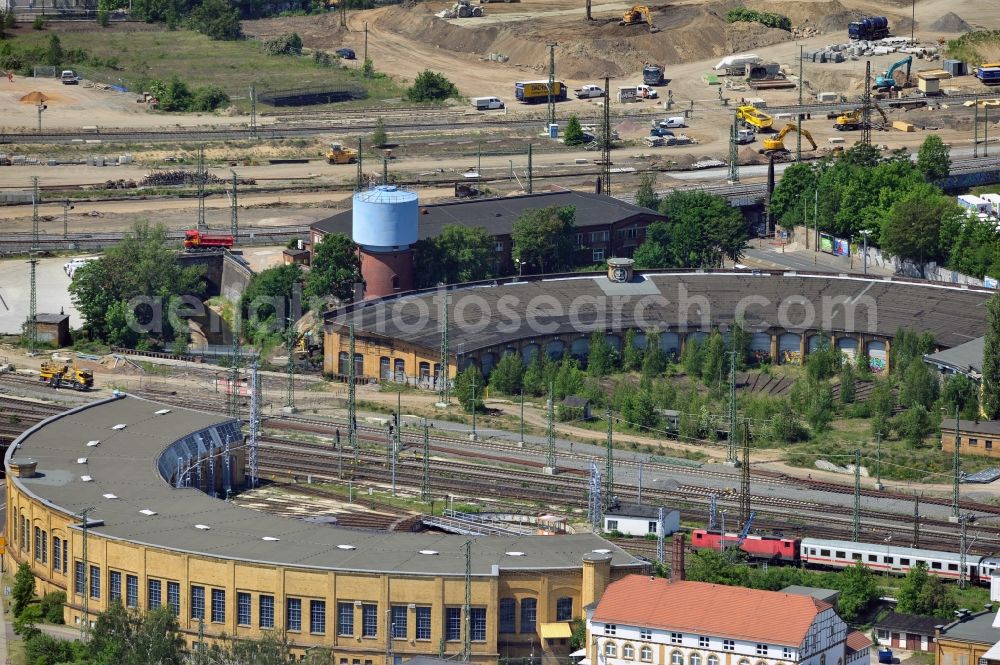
[
  {"x": 233, "y": 66},
  {"x": 975, "y": 47}
]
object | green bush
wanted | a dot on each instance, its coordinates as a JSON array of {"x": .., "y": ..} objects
[
  {"x": 574, "y": 132},
  {"x": 103, "y": 18},
  {"x": 38, "y": 23},
  {"x": 289, "y": 44},
  {"x": 51, "y": 606},
  {"x": 770, "y": 19},
  {"x": 431, "y": 87},
  {"x": 208, "y": 98}
]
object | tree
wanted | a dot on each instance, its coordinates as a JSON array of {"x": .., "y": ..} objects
[
  {"x": 991, "y": 360},
  {"x": 881, "y": 404},
  {"x": 271, "y": 295},
  {"x": 176, "y": 96},
  {"x": 379, "y": 137},
  {"x": 693, "y": 357},
  {"x": 961, "y": 393},
  {"x": 103, "y": 18},
  {"x": 654, "y": 251},
  {"x": 10, "y": 18},
  {"x": 574, "y": 132},
  {"x": 848, "y": 388},
  {"x": 469, "y": 386},
  {"x": 704, "y": 228},
  {"x": 913, "y": 425},
  {"x": 217, "y": 20},
  {"x": 858, "y": 588},
  {"x": 458, "y": 254},
  {"x": 508, "y": 375},
  {"x": 654, "y": 359},
  {"x": 631, "y": 354},
  {"x": 368, "y": 68},
  {"x": 335, "y": 268},
  {"x": 602, "y": 357},
  {"x": 924, "y": 594},
  {"x": 431, "y": 87},
  {"x": 543, "y": 238},
  {"x": 568, "y": 378},
  {"x": 54, "y": 51},
  {"x": 637, "y": 409},
  {"x": 124, "y": 637},
  {"x": 932, "y": 159},
  {"x": 919, "y": 387},
  {"x": 797, "y": 184},
  {"x": 715, "y": 360},
  {"x": 819, "y": 411},
  {"x": 646, "y": 196},
  {"x": 24, "y": 589},
  {"x": 912, "y": 230}
]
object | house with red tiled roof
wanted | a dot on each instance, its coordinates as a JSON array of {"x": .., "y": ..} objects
[{"x": 651, "y": 621}]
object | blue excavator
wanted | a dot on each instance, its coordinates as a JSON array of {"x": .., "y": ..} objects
[{"x": 887, "y": 79}]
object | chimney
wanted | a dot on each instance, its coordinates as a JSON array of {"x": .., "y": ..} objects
[
  {"x": 677, "y": 557},
  {"x": 23, "y": 468}
]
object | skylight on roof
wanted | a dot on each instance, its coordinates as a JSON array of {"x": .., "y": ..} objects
[
  {"x": 110, "y": 496},
  {"x": 162, "y": 412},
  {"x": 346, "y": 547},
  {"x": 601, "y": 551},
  {"x": 428, "y": 552},
  {"x": 92, "y": 444},
  {"x": 514, "y": 553},
  {"x": 147, "y": 511},
  {"x": 86, "y": 479},
  {"x": 120, "y": 426},
  {"x": 81, "y": 460},
  {"x": 203, "y": 527},
  {"x": 270, "y": 539}
]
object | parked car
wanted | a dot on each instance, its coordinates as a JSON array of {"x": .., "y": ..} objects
[
  {"x": 346, "y": 53},
  {"x": 660, "y": 131},
  {"x": 69, "y": 77}
]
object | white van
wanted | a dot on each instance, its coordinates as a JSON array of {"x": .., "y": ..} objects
[
  {"x": 73, "y": 264},
  {"x": 487, "y": 103},
  {"x": 669, "y": 123}
]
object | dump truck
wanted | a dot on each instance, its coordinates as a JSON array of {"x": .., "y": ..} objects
[
  {"x": 338, "y": 154},
  {"x": 57, "y": 375},
  {"x": 751, "y": 116},
  {"x": 530, "y": 92},
  {"x": 638, "y": 14},
  {"x": 777, "y": 143},
  {"x": 652, "y": 74},
  {"x": 195, "y": 240}
]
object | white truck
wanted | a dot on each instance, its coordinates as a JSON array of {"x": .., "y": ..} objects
[
  {"x": 487, "y": 103},
  {"x": 644, "y": 91},
  {"x": 588, "y": 91}
]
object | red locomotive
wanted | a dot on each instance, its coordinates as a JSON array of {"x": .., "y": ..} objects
[
  {"x": 768, "y": 548},
  {"x": 194, "y": 239}
]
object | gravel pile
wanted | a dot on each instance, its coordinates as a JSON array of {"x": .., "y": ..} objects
[{"x": 950, "y": 22}]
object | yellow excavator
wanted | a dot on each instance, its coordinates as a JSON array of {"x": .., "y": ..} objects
[
  {"x": 638, "y": 15},
  {"x": 338, "y": 154},
  {"x": 58, "y": 375},
  {"x": 853, "y": 119},
  {"x": 777, "y": 144}
]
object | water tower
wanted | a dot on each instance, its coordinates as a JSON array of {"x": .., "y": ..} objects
[{"x": 384, "y": 225}]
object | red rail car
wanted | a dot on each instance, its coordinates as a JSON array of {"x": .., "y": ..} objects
[
  {"x": 194, "y": 239},
  {"x": 769, "y": 548}
]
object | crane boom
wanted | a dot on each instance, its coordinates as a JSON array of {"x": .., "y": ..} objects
[{"x": 746, "y": 529}]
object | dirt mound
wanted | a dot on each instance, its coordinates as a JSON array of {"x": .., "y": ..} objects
[
  {"x": 749, "y": 155},
  {"x": 950, "y": 22},
  {"x": 742, "y": 37}
]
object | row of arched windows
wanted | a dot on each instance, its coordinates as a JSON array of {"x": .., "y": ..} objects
[{"x": 628, "y": 652}]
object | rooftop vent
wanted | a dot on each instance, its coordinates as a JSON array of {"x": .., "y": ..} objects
[
  {"x": 23, "y": 468},
  {"x": 147, "y": 511},
  {"x": 81, "y": 460},
  {"x": 162, "y": 412},
  {"x": 86, "y": 479},
  {"x": 203, "y": 527},
  {"x": 601, "y": 551},
  {"x": 515, "y": 553},
  {"x": 270, "y": 539},
  {"x": 428, "y": 552},
  {"x": 110, "y": 496},
  {"x": 120, "y": 426},
  {"x": 346, "y": 547},
  {"x": 93, "y": 444}
]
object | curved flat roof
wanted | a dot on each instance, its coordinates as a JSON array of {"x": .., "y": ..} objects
[
  {"x": 488, "y": 314},
  {"x": 124, "y": 480}
]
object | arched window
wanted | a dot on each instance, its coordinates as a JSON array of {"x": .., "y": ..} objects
[
  {"x": 628, "y": 651},
  {"x": 399, "y": 369},
  {"x": 646, "y": 654},
  {"x": 676, "y": 658},
  {"x": 395, "y": 282},
  {"x": 822, "y": 659},
  {"x": 744, "y": 661},
  {"x": 694, "y": 659},
  {"x": 343, "y": 364},
  {"x": 610, "y": 649},
  {"x": 384, "y": 371},
  {"x": 713, "y": 660}
]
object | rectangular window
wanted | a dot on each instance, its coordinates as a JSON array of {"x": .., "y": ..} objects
[
  {"x": 369, "y": 620},
  {"x": 612, "y": 525},
  {"x": 453, "y": 624},
  {"x": 114, "y": 586},
  {"x": 787, "y": 654},
  {"x": 973, "y": 442},
  {"x": 508, "y": 615},
  {"x": 218, "y": 605},
  {"x": 873, "y": 558},
  {"x": 989, "y": 444},
  {"x": 888, "y": 559},
  {"x": 935, "y": 565},
  {"x": 293, "y": 614},
  {"x": 57, "y": 554},
  {"x": 579, "y": 239},
  {"x": 529, "y": 615},
  {"x": 652, "y": 527},
  {"x": 345, "y": 618},
  {"x": 317, "y": 616},
  {"x": 174, "y": 597},
  {"x": 197, "y": 602},
  {"x": 424, "y": 623},
  {"x": 761, "y": 649},
  {"x": 95, "y": 582},
  {"x": 952, "y": 566},
  {"x": 38, "y": 544},
  {"x": 132, "y": 591},
  {"x": 153, "y": 597},
  {"x": 903, "y": 561},
  {"x": 266, "y": 615},
  {"x": 398, "y": 621},
  {"x": 610, "y": 629},
  {"x": 645, "y": 634},
  {"x": 65, "y": 555},
  {"x": 841, "y": 554},
  {"x": 598, "y": 255},
  {"x": 824, "y": 553},
  {"x": 564, "y": 609},
  {"x": 498, "y": 246},
  {"x": 727, "y": 645},
  {"x": 45, "y": 546},
  {"x": 243, "y": 604},
  {"x": 79, "y": 578},
  {"x": 676, "y": 638},
  {"x": 477, "y": 619},
  {"x": 703, "y": 641}
]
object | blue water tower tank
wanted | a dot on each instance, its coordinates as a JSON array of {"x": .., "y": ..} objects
[{"x": 384, "y": 218}]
